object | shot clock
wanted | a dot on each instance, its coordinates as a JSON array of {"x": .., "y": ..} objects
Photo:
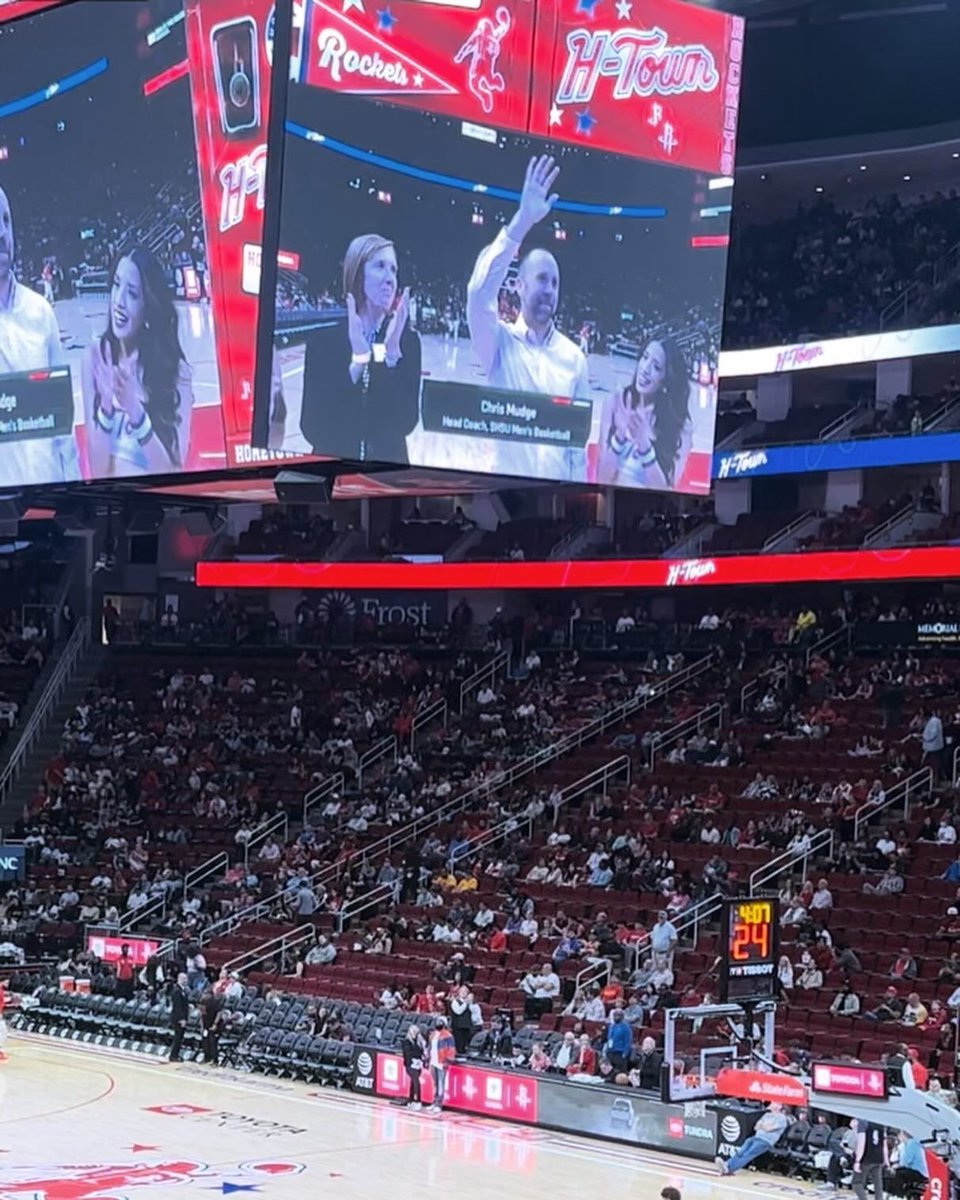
[{"x": 749, "y": 950}]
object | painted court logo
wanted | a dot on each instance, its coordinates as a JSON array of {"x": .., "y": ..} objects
[{"x": 122, "y": 1181}]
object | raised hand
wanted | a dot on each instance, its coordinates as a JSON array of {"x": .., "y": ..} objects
[
  {"x": 358, "y": 340},
  {"x": 397, "y": 325},
  {"x": 537, "y": 197}
]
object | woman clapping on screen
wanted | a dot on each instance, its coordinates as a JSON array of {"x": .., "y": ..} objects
[
  {"x": 646, "y": 432},
  {"x": 136, "y": 383}
]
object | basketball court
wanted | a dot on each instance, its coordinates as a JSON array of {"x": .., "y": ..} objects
[{"x": 81, "y": 1122}]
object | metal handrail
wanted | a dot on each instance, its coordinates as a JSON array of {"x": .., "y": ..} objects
[
  {"x": 363, "y": 904},
  {"x": 920, "y": 781},
  {"x": 749, "y": 690},
  {"x": 202, "y": 872},
  {"x": 696, "y": 916},
  {"x": 433, "y": 712},
  {"x": 156, "y": 906},
  {"x": 279, "y": 822},
  {"x": 764, "y": 875},
  {"x": 601, "y": 776},
  {"x": 828, "y": 641},
  {"x": 67, "y": 663},
  {"x": 500, "y": 663},
  {"x": 399, "y": 837},
  {"x": 945, "y": 410},
  {"x": 284, "y": 941},
  {"x": 786, "y": 530},
  {"x": 335, "y": 784},
  {"x": 834, "y": 427},
  {"x": 590, "y": 974},
  {"x": 884, "y": 527},
  {"x": 380, "y": 750},
  {"x": 713, "y": 714}
]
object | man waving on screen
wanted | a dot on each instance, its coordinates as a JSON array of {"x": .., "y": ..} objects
[{"x": 529, "y": 354}]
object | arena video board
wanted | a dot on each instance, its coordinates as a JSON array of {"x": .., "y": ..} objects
[
  {"x": 132, "y": 159},
  {"x": 502, "y": 233}
]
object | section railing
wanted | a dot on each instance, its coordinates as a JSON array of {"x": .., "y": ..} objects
[
  {"x": 707, "y": 718},
  {"x": 490, "y": 672},
  {"x": 391, "y": 842},
  {"x": 335, "y": 785},
  {"x": 158, "y": 906},
  {"x": 270, "y": 949},
  {"x": 597, "y": 780},
  {"x": 428, "y": 716},
  {"x": 889, "y": 525},
  {"x": 920, "y": 783},
  {"x": 829, "y": 640},
  {"x": 383, "y": 893},
  {"x": 70, "y": 658},
  {"x": 786, "y": 863},
  {"x": 277, "y": 825},
  {"x": 389, "y": 747},
  {"x": 787, "y": 530}
]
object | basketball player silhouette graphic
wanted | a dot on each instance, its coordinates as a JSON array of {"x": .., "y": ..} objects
[{"x": 482, "y": 47}]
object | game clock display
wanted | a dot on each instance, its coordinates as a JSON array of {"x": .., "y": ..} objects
[{"x": 749, "y": 951}]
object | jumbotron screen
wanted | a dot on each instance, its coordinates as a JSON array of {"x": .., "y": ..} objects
[
  {"x": 132, "y": 150},
  {"x": 503, "y": 234}
]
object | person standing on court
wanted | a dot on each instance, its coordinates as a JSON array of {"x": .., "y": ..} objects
[
  {"x": 869, "y": 1159},
  {"x": 179, "y": 1015},
  {"x": 414, "y": 1051},
  {"x": 211, "y": 1022},
  {"x": 125, "y": 970},
  {"x": 443, "y": 1051}
]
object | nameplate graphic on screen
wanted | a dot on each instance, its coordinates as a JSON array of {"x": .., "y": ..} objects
[
  {"x": 487, "y": 412},
  {"x": 35, "y": 404}
]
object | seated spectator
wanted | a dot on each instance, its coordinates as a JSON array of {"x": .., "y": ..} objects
[
  {"x": 767, "y": 1132},
  {"x": 890, "y": 884},
  {"x": 647, "y": 1066},
  {"x": 586, "y": 1061},
  {"x": 905, "y": 966},
  {"x": 809, "y": 975},
  {"x": 785, "y": 973},
  {"x": 914, "y": 1012},
  {"x": 322, "y": 954},
  {"x": 539, "y": 1059},
  {"x": 910, "y": 1165},
  {"x": 890, "y": 1007},
  {"x": 846, "y": 1003},
  {"x": 822, "y": 899}
]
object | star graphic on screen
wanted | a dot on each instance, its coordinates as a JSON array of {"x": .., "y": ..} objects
[
  {"x": 350, "y": 5},
  {"x": 587, "y": 6},
  {"x": 585, "y": 122},
  {"x": 385, "y": 20},
  {"x": 417, "y": 79},
  {"x": 624, "y": 8},
  {"x": 556, "y": 115}
]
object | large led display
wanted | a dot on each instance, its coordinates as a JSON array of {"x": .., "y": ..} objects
[
  {"x": 132, "y": 157},
  {"x": 502, "y": 237}
]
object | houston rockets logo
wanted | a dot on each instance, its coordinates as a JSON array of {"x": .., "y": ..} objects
[
  {"x": 483, "y": 49},
  {"x": 121, "y": 1181}
]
